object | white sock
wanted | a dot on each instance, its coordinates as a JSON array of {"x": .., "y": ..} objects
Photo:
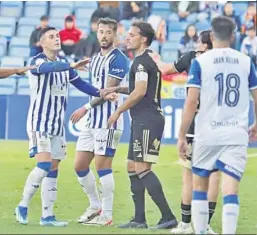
[
  {"x": 200, "y": 212},
  {"x": 88, "y": 184},
  {"x": 107, "y": 189},
  {"x": 32, "y": 184},
  {"x": 230, "y": 214},
  {"x": 48, "y": 195}
]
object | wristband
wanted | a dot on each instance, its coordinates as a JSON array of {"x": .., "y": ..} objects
[{"x": 88, "y": 106}]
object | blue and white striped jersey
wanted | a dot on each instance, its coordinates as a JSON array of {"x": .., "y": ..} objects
[
  {"x": 48, "y": 97},
  {"x": 115, "y": 64},
  {"x": 225, "y": 77}
]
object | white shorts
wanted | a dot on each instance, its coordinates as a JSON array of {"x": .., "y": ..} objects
[
  {"x": 230, "y": 159},
  {"x": 43, "y": 142},
  {"x": 103, "y": 142}
]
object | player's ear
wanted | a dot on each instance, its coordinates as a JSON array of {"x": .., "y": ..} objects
[
  {"x": 211, "y": 37},
  {"x": 232, "y": 38},
  {"x": 144, "y": 40}
]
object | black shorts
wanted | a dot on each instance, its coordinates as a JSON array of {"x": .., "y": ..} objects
[{"x": 145, "y": 140}]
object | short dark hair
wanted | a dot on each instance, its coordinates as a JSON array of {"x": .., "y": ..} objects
[
  {"x": 146, "y": 30},
  {"x": 43, "y": 31},
  {"x": 108, "y": 21},
  {"x": 69, "y": 19},
  {"x": 205, "y": 37},
  {"x": 44, "y": 18},
  {"x": 223, "y": 28}
]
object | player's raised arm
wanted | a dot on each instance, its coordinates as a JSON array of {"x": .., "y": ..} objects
[{"x": 191, "y": 102}]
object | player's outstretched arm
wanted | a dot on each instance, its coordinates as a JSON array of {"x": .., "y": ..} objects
[
  {"x": 56, "y": 66},
  {"x": 6, "y": 72},
  {"x": 85, "y": 87}
]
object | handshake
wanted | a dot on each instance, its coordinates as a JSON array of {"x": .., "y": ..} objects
[{"x": 109, "y": 94}]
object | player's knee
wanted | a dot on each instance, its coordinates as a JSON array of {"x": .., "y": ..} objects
[
  {"x": 46, "y": 166},
  {"x": 230, "y": 185},
  {"x": 55, "y": 164},
  {"x": 103, "y": 162},
  {"x": 130, "y": 166}
]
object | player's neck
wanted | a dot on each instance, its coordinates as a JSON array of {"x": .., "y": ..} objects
[
  {"x": 106, "y": 51},
  {"x": 140, "y": 50},
  {"x": 221, "y": 44},
  {"x": 51, "y": 55}
]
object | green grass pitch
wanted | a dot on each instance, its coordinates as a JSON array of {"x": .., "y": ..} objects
[{"x": 71, "y": 202}]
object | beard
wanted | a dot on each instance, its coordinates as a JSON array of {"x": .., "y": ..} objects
[{"x": 107, "y": 45}]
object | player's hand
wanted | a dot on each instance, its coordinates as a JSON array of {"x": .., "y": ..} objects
[
  {"x": 182, "y": 148},
  {"x": 78, "y": 114},
  {"x": 253, "y": 132},
  {"x": 113, "y": 118},
  {"x": 163, "y": 67},
  {"x": 80, "y": 65},
  {"x": 21, "y": 71},
  {"x": 106, "y": 91},
  {"x": 111, "y": 97}
]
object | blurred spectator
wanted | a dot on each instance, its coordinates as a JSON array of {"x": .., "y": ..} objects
[
  {"x": 209, "y": 10},
  {"x": 136, "y": 10},
  {"x": 189, "y": 41},
  {"x": 184, "y": 10},
  {"x": 108, "y": 9},
  {"x": 229, "y": 12},
  {"x": 121, "y": 38},
  {"x": 88, "y": 47},
  {"x": 70, "y": 35},
  {"x": 249, "y": 17},
  {"x": 159, "y": 26},
  {"x": 34, "y": 42},
  {"x": 249, "y": 45}
]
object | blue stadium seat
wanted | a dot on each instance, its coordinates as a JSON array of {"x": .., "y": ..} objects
[
  {"x": 13, "y": 11},
  {"x": 3, "y": 46},
  {"x": 69, "y": 4},
  {"x": 7, "y": 86},
  {"x": 11, "y": 3},
  {"x": 161, "y": 5},
  {"x": 29, "y": 21},
  {"x": 37, "y": 3},
  {"x": 25, "y": 30},
  {"x": 169, "y": 55},
  {"x": 23, "y": 86},
  {"x": 6, "y": 31},
  {"x": 19, "y": 46},
  {"x": 85, "y": 4},
  {"x": 177, "y": 26},
  {"x": 57, "y": 23},
  {"x": 175, "y": 36},
  {"x": 155, "y": 46},
  {"x": 167, "y": 46},
  {"x": 240, "y": 7},
  {"x": 9, "y": 62},
  {"x": 60, "y": 12},
  {"x": 163, "y": 13},
  {"x": 7, "y": 21},
  {"x": 202, "y": 25},
  {"x": 35, "y": 11},
  {"x": 84, "y": 13}
]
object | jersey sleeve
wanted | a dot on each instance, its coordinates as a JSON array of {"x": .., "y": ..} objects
[
  {"x": 38, "y": 62},
  {"x": 141, "y": 70},
  {"x": 73, "y": 75},
  {"x": 194, "y": 76},
  {"x": 183, "y": 63},
  {"x": 252, "y": 77},
  {"x": 119, "y": 67}
]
